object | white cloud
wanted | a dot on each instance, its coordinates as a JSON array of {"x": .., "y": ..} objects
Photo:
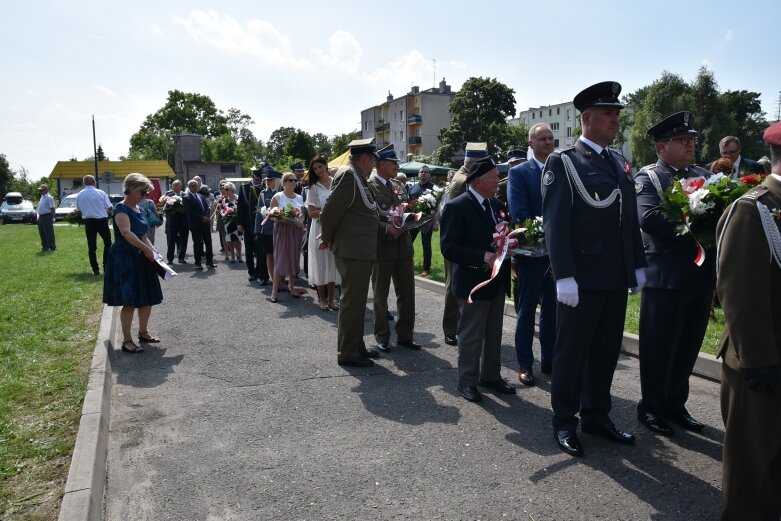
[
  {"x": 410, "y": 69},
  {"x": 105, "y": 90},
  {"x": 157, "y": 31},
  {"x": 727, "y": 38},
  {"x": 256, "y": 37},
  {"x": 456, "y": 64},
  {"x": 344, "y": 52},
  {"x": 707, "y": 63}
]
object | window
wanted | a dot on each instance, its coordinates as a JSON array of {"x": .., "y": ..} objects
[
  {"x": 401, "y": 135},
  {"x": 540, "y": 113},
  {"x": 532, "y": 115},
  {"x": 558, "y": 110},
  {"x": 556, "y": 143},
  {"x": 569, "y": 114},
  {"x": 569, "y": 131},
  {"x": 401, "y": 115},
  {"x": 227, "y": 169},
  {"x": 554, "y": 126},
  {"x": 550, "y": 112}
]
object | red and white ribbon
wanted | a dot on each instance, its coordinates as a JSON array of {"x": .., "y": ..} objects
[
  {"x": 504, "y": 240},
  {"x": 700, "y": 258}
]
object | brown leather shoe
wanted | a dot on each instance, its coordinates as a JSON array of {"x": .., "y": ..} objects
[{"x": 526, "y": 376}]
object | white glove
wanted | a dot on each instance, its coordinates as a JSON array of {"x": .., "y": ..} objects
[
  {"x": 567, "y": 291},
  {"x": 640, "y": 276}
]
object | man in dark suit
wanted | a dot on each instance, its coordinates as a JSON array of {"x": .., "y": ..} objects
[
  {"x": 534, "y": 280},
  {"x": 426, "y": 231},
  {"x": 246, "y": 207},
  {"x": 749, "y": 287},
  {"x": 196, "y": 207},
  {"x": 457, "y": 186},
  {"x": 596, "y": 253},
  {"x": 176, "y": 228},
  {"x": 678, "y": 293},
  {"x": 394, "y": 260},
  {"x": 729, "y": 147},
  {"x": 468, "y": 224}
]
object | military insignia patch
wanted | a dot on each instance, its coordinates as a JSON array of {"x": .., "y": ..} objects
[
  {"x": 547, "y": 178},
  {"x": 638, "y": 186},
  {"x": 627, "y": 167}
]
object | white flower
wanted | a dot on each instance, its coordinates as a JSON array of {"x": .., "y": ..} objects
[
  {"x": 264, "y": 211},
  {"x": 714, "y": 179},
  {"x": 698, "y": 204}
]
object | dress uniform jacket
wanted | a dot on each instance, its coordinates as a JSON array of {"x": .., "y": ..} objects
[
  {"x": 388, "y": 195},
  {"x": 670, "y": 256},
  {"x": 601, "y": 248},
  {"x": 749, "y": 288}
]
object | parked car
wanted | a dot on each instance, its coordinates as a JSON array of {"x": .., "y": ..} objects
[
  {"x": 17, "y": 209},
  {"x": 67, "y": 206}
]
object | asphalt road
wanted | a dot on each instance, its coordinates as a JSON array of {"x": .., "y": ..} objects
[{"x": 242, "y": 413}]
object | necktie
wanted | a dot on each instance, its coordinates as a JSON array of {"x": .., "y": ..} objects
[
  {"x": 487, "y": 207},
  {"x": 200, "y": 203},
  {"x": 683, "y": 173}
]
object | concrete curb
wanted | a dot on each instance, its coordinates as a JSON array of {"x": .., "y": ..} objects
[
  {"x": 83, "y": 498},
  {"x": 707, "y": 366}
]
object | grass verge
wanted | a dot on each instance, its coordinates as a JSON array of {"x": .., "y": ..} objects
[
  {"x": 712, "y": 335},
  {"x": 49, "y": 317}
]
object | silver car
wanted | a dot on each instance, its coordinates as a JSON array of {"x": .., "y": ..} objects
[{"x": 17, "y": 209}]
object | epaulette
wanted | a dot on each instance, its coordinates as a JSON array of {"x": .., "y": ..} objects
[
  {"x": 647, "y": 167},
  {"x": 560, "y": 151}
]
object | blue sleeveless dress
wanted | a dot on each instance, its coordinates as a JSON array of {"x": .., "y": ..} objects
[{"x": 129, "y": 279}]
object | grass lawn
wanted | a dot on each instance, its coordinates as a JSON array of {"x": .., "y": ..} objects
[
  {"x": 712, "y": 335},
  {"x": 49, "y": 316}
]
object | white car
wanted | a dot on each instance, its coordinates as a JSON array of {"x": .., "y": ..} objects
[
  {"x": 16, "y": 208},
  {"x": 67, "y": 206}
]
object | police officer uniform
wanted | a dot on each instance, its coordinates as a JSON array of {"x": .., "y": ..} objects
[
  {"x": 395, "y": 261},
  {"x": 749, "y": 288},
  {"x": 349, "y": 225},
  {"x": 246, "y": 207},
  {"x": 595, "y": 250},
  {"x": 678, "y": 294}
]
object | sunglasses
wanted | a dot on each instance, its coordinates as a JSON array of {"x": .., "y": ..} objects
[{"x": 290, "y": 180}]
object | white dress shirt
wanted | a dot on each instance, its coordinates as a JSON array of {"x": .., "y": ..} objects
[
  {"x": 93, "y": 203},
  {"x": 45, "y": 204}
]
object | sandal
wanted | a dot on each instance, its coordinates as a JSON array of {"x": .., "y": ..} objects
[
  {"x": 323, "y": 306},
  {"x": 133, "y": 347},
  {"x": 146, "y": 338},
  {"x": 333, "y": 307}
]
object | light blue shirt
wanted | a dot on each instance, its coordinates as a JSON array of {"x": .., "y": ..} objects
[{"x": 46, "y": 204}]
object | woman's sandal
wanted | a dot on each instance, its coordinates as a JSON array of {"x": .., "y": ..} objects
[
  {"x": 295, "y": 292},
  {"x": 323, "y": 306},
  {"x": 133, "y": 347},
  {"x": 333, "y": 307},
  {"x": 146, "y": 338}
]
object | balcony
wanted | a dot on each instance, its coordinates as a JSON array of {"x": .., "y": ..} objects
[
  {"x": 415, "y": 140},
  {"x": 415, "y": 119},
  {"x": 382, "y": 126}
]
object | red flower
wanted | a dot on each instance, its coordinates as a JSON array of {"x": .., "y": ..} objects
[{"x": 752, "y": 179}]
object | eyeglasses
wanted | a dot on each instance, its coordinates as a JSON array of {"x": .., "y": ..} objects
[{"x": 685, "y": 141}]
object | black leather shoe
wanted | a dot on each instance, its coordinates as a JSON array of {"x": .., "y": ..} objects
[
  {"x": 686, "y": 421},
  {"x": 264, "y": 282},
  {"x": 546, "y": 368},
  {"x": 383, "y": 347},
  {"x": 199, "y": 267},
  {"x": 358, "y": 362},
  {"x": 608, "y": 431},
  {"x": 568, "y": 442},
  {"x": 409, "y": 344},
  {"x": 252, "y": 278},
  {"x": 182, "y": 261},
  {"x": 470, "y": 392},
  {"x": 451, "y": 340},
  {"x": 655, "y": 423},
  {"x": 210, "y": 265},
  {"x": 370, "y": 354},
  {"x": 389, "y": 316},
  {"x": 500, "y": 386}
]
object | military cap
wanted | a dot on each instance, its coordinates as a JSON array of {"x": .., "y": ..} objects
[
  {"x": 297, "y": 166},
  {"x": 604, "y": 94},
  {"x": 388, "y": 153},
  {"x": 672, "y": 125},
  {"x": 359, "y": 146},
  {"x": 476, "y": 150},
  {"x": 262, "y": 169},
  {"x": 772, "y": 135},
  {"x": 516, "y": 154},
  {"x": 273, "y": 174},
  {"x": 480, "y": 167}
]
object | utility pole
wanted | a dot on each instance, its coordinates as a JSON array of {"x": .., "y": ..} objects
[
  {"x": 434, "y": 60},
  {"x": 778, "y": 107},
  {"x": 95, "y": 150}
]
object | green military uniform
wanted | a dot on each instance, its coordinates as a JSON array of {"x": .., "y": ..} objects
[
  {"x": 395, "y": 261},
  {"x": 349, "y": 224},
  {"x": 749, "y": 288}
]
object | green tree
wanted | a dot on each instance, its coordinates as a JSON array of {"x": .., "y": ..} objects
[
  {"x": 6, "y": 176},
  {"x": 479, "y": 113},
  {"x": 289, "y": 143},
  {"x": 745, "y": 109},
  {"x": 339, "y": 143},
  {"x": 323, "y": 145}
]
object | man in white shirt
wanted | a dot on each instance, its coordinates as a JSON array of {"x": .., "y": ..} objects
[
  {"x": 46, "y": 219},
  {"x": 95, "y": 208}
]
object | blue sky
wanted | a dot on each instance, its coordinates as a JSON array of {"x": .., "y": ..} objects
[{"x": 315, "y": 66}]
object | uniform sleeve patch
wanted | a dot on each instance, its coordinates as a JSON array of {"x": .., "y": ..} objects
[
  {"x": 638, "y": 186},
  {"x": 547, "y": 178}
]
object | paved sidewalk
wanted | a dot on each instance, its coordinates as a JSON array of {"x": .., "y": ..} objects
[{"x": 242, "y": 413}]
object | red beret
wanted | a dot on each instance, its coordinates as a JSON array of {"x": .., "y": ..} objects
[{"x": 772, "y": 135}]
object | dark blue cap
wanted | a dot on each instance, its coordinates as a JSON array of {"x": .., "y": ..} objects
[
  {"x": 672, "y": 125},
  {"x": 479, "y": 168},
  {"x": 273, "y": 174},
  {"x": 603, "y": 94},
  {"x": 297, "y": 166},
  {"x": 388, "y": 153},
  {"x": 516, "y": 154}
]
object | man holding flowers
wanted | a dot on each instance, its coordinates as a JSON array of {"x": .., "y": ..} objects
[{"x": 680, "y": 280}]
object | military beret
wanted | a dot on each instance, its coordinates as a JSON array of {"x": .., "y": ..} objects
[
  {"x": 772, "y": 135},
  {"x": 604, "y": 94},
  {"x": 388, "y": 153},
  {"x": 672, "y": 125},
  {"x": 479, "y": 168}
]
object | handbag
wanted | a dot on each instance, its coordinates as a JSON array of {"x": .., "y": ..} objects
[{"x": 151, "y": 217}]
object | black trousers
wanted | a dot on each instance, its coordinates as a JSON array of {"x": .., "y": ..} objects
[
  {"x": 254, "y": 256},
  {"x": 425, "y": 239},
  {"x": 176, "y": 230},
  {"x": 202, "y": 236},
  {"x": 672, "y": 326},
  {"x": 93, "y": 228},
  {"x": 585, "y": 355}
]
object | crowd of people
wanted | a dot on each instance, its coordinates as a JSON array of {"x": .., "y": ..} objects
[{"x": 605, "y": 235}]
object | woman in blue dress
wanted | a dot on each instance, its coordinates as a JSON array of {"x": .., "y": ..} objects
[{"x": 129, "y": 280}]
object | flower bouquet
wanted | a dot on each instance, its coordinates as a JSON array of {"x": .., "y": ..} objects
[
  {"x": 531, "y": 238},
  {"x": 289, "y": 214},
  {"x": 418, "y": 212},
  {"x": 74, "y": 218},
  {"x": 171, "y": 204},
  {"x": 694, "y": 205},
  {"x": 228, "y": 213}
]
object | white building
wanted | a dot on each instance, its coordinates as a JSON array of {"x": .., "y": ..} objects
[{"x": 411, "y": 122}]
